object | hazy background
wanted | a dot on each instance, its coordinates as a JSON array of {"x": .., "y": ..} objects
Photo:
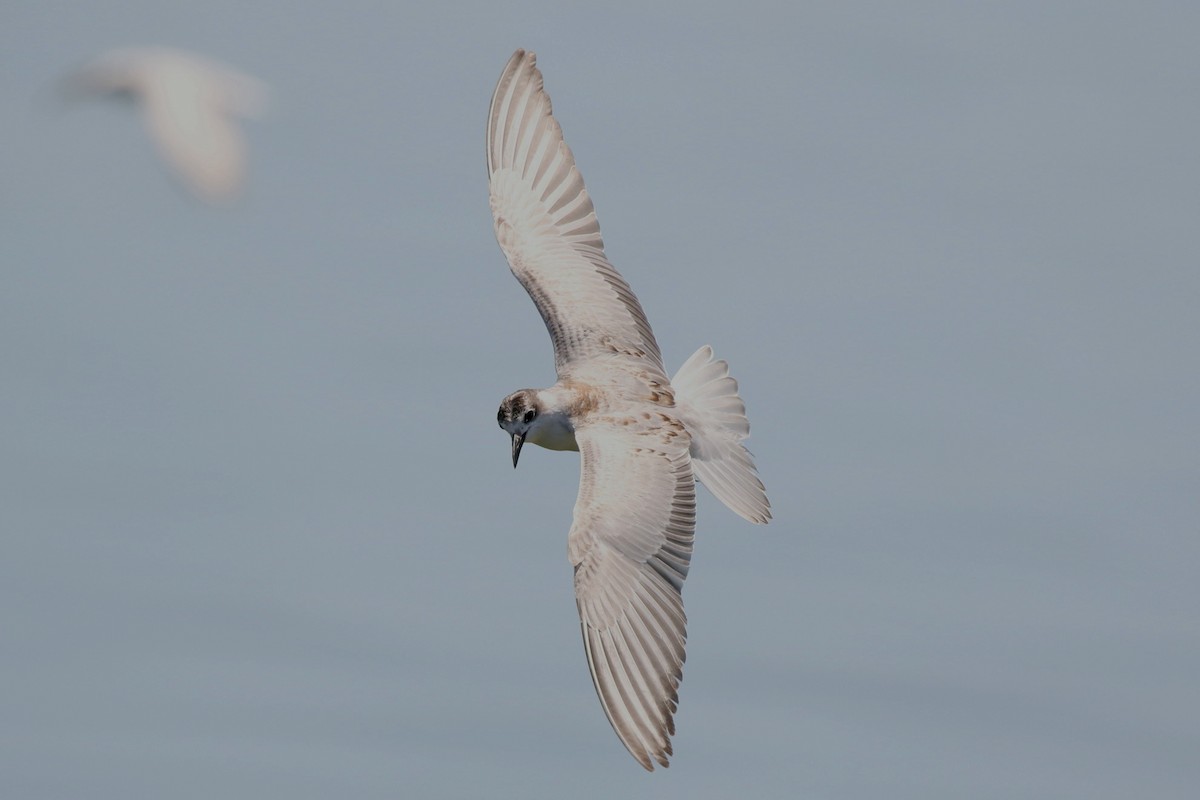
[{"x": 260, "y": 535}]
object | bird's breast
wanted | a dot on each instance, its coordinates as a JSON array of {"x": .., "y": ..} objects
[{"x": 554, "y": 433}]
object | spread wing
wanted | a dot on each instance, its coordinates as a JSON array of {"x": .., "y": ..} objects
[
  {"x": 548, "y": 231},
  {"x": 631, "y": 543}
]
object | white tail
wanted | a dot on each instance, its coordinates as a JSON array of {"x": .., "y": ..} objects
[{"x": 707, "y": 401}]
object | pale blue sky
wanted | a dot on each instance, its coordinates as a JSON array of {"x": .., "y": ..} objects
[{"x": 260, "y": 535}]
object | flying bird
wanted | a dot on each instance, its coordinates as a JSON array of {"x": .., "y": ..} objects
[
  {"x": 188, "y": 104},
  {"x": 643, "y": 438}
]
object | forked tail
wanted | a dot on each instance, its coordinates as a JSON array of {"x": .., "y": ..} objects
[{"x": 707, "y": 401}]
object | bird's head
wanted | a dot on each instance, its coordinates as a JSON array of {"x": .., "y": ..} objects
[{"x": 518, "y": 413}]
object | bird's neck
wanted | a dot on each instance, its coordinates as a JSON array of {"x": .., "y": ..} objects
[{"x": 554, "y": 429}]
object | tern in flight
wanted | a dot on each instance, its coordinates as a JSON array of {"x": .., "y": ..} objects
[
  {"x": 643, "y": 438},
  {"x": 188, "y": 105}
]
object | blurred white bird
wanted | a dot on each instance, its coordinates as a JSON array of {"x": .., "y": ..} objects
[
  {"x": 643, "y": 438},
  {"x": 188, "y": 105}
]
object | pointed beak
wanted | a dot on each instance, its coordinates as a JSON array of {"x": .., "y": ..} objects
[{"x": 518, "y": 439}]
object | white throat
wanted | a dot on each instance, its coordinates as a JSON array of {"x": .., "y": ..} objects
[{"x": 553, "y": 429}]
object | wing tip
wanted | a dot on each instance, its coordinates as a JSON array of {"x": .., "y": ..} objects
[
  {"x": 521, "y": 70},
  {"x": 648, "y": 758},
  {"x": 647, "y": 745},
  {"x": 520, "y": 57}
]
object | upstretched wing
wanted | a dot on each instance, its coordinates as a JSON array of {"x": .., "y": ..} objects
[
  {"x": 548, "y": 231},
  {"x": 631, "y": 543}
]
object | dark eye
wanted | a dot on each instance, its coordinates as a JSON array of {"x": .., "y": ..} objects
[{"x": 529, "y": 415}]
